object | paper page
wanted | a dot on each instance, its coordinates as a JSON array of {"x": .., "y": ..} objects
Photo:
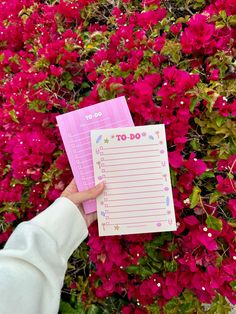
[
  {"x": 75, "y": 129},
  {"x": 134, "y": 164}
]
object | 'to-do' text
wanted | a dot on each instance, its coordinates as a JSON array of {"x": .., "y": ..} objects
[{"x": 131, "y": 136}]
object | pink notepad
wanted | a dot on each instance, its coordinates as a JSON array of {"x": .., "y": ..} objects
[
  {"x": 75, "y": 130},
  {"x": 133, "y": 162}
]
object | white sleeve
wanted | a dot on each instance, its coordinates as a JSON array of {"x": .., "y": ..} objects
[{"x": 34, "y": 260}]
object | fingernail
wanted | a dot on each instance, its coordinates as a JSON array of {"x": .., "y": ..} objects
[{"x": 99, "y": 185}]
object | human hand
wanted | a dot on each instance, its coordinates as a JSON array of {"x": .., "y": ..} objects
[{"x": 71, "y": 192}]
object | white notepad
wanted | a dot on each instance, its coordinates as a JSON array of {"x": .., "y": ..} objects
[{"x": 133, "y": 162}]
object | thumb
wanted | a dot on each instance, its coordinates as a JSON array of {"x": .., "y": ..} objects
[{"x": 90, "y": 194}]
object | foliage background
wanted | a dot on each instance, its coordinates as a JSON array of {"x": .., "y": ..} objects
[{"x": 175, "y": 63}]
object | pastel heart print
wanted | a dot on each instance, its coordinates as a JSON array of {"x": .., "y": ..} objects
[{"x": 158, "y": 224}]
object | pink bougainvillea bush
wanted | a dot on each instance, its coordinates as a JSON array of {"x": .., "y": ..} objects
[{"x": 175, "y": 61}]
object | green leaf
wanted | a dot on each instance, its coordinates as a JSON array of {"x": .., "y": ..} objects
[
  {"x": 132, "y": 269},
  {"x": 214, "y": 197},
  {"x": 214, "y": 223},
  {"x": 223, "y": 14},
  {"x": 193, "y": 104},
  {"x": 199, "y": 4},
  {"x": 219, "y": 121},
  {"x": 219, "y": 261},
  {"x": 195, "y": 196},
  {"x": 13, "y": 116},
  {"x": 207, "y": 175},
  {"x": 146, "y": 272},
  {"x": 159, "y": 240},
  {"x": 170, "y": 266},
  {"x": 220, "y": 24},
  {"x": 94, "y": 309},
  {"x": 154, "y": 308},
  {"x": 186, "y": 308},
  {"x": 152, "y": 252},
  {"x": 2, "y": 56},
  {"x": 85, "y": 85},
  {"x": 233, "y": 285},
  {"x": 219, "y": 306},
  {"x": 172, "y": 306},
  {"x": 172, "y": 49},
  {"x": 195, "y": 144},
  {"x": 66, "y": 308},
  {"x": 70, "y": 85},
  {"x": 173, "y": 175},
  {"x": 97, "y": 283},
  {"x": 232, "y": 20}
]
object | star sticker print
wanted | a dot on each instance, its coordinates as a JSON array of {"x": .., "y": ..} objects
[
  {"x": 116, "y": 227},
  {"x": 106, "y": 141}
]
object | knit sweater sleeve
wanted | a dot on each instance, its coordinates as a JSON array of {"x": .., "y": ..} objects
[{"x": 34, "y": 260}]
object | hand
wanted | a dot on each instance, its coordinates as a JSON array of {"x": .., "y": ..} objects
[{"x": 71, "y": 192}]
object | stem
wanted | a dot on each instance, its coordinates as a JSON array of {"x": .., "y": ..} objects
[{"x": 202, "y": 205}]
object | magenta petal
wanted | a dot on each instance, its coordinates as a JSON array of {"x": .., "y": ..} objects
[{"x": 191, "y": 220}]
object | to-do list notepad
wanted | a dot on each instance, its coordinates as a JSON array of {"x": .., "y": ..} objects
[
  {"x": 75, "y": 129},
  {"x": 133, "y": 162}
]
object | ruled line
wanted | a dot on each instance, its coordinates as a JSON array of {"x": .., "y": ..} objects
[
  {"x": 99, "y": 123},
  {"x": 132, "y": 169},
  {"x": 74, "y": 141},
  {"x": 87, "y": 177},
  {"x": 134, "y": 217},
  {"x": 135, "y": 210},
  {"x": 138, "y": 151},
  {"x": 138, "y": 226},
  {"x": 129, "y": 223},
  {"x": 133, "y": 163},
  {"x": 136, "y": 198},
  {"x": 84, "y": 139},
  {"x": 73, "y": 135},
  {"x": 82, "y": 161},
  {"x": 88, "y": 155},
  {"x": 130, "y": 158},
  {"x": 117, "y": 123},
  {"x": 86, "y": 166},
  {"x": 149, "y": 191},
  {"x": 134, "y": 186},
  {"x": 135, "y": 204},
  {"x": 133, "y": 175},
  {"x": 130, "y": 146}
]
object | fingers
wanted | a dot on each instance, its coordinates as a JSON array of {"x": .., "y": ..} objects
[
  {"x": 90, "y": 194},
  {"x": 71, "y": 187}
]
